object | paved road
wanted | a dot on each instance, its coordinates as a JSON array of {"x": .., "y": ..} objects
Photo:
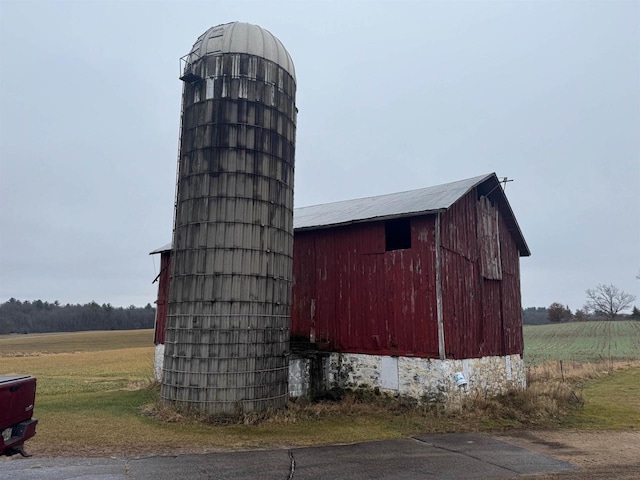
[{"x": 444, "y": 457}]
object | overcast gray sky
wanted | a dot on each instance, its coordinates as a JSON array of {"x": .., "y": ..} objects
[{"x": 392, "y": 96}]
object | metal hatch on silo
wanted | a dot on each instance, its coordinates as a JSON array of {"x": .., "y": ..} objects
[{"x": 228, "y": 322}]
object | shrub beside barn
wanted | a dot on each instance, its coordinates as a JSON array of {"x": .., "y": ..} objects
[{"x": 402, "y": 291}]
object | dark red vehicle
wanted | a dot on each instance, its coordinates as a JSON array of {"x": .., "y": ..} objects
[{"x": 17, "y": 398}]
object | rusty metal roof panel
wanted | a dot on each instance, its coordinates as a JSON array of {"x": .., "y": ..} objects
[{"x": 414, "y": 202}]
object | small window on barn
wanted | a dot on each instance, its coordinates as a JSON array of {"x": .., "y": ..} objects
[{"x": 397, "y": 234}]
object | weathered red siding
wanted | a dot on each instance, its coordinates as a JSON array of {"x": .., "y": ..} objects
[
  {"x": 511, "y": 299},
  {"x": 163, "y": 295},
  {"x": 461, "y": 304},
  {"x": 362, "y": 299},
  {"x": 480, "y": 284},
  {"x": 350, "y": 295}
]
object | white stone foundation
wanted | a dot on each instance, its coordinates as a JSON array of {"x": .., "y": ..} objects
[
  {"x": 158, "y": 362},
  {"x": 308, "y": 373},
  {"x": 427, "y": 379},
  {"x": 421, "y": 378},
  {"x": 299, "y": 377}
]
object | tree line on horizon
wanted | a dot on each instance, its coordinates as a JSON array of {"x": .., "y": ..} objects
[
  {"x": 557, "y": 313},
  {"x": 44, "y": 317},
  {"x": 604, "y": 302}
]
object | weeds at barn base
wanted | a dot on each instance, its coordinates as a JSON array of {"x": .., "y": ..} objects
[{"x": 553, "y": 391}]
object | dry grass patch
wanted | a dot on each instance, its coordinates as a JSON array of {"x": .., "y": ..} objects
[
  {"x": 574, "y": 372},
  {"x": 92, "y": 371},
  {"x": 545, "y": 403}
]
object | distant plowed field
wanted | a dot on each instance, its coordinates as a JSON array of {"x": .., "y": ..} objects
[{"x": 582, "y": 341}]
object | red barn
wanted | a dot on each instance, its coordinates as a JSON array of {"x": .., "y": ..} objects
[
  {"x": 427, "y": 274},
  {"x": 403, "y": 291}
]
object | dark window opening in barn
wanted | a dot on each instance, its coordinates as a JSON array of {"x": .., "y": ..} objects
[{"x": 397, "y": 234}]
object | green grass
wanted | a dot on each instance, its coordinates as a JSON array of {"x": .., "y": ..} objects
[
  {"x": 611, "y": 403},
  {"x": 582, "y": 342}
]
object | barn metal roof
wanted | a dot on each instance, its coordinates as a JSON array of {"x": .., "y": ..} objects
[
  {"x": 239, "y": 37},
  {"x": 413, "y": 202},
  {"x": 427, "y": 200}
]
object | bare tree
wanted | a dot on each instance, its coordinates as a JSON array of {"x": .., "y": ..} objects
[{"x": 609, "y": 300}]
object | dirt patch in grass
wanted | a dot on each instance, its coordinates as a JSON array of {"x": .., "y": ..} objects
[{"x": 599, "y": 455}]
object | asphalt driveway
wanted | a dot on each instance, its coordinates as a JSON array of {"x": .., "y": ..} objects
[{"x": 440, "y": 456}]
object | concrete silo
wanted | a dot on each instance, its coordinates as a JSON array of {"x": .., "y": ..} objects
[{"x": 228, "y": 322}]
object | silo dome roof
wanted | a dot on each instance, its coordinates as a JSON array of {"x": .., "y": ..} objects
[{"x": 239, "y": 37}]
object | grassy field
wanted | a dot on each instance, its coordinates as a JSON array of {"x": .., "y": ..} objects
[
  {"x": 95, "y": 397},
  {"x": 582, "y": 342},
  {"x": 42, "y": 343}
]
